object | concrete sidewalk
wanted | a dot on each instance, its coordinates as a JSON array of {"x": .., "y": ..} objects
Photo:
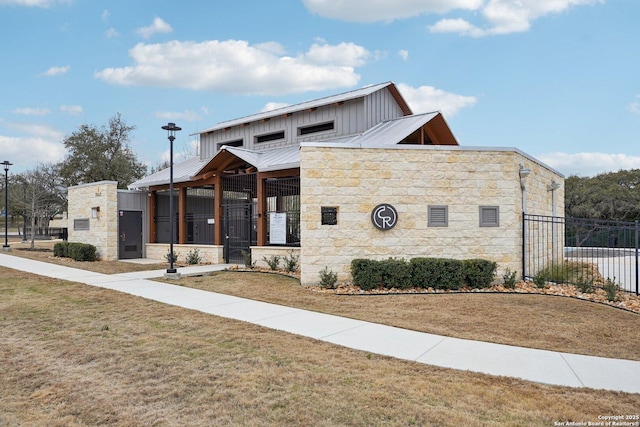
[{"x": 541, "y": 366}]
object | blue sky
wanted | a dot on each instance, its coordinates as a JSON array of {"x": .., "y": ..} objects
[{"x": 558, "y": 79}]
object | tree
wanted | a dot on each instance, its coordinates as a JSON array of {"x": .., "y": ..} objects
[
  {"x": 39, "y": 195},
  {"x": 101, "y": 154},
  {"x": 610, "y": 196}
]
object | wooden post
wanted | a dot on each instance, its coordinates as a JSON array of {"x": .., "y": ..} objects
[
  {"x": 152, "y": 217},
  {"x": 182, "y": 215},
  {"x": 217, "y": 210}
]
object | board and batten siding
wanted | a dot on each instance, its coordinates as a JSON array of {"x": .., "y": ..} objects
[
  {"x": 379, "y": 107},
  {"x": 350, "y": 117}
]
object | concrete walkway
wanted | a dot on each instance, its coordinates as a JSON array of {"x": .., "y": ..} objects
[{"x": 548, "y": 367}]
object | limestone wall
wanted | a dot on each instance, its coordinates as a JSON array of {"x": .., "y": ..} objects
[
  {"x": 411, "y": 178},
  {"x": 259, "y": 253},
  {"x": 210, "y": 254},
  {"x": 97, "y": 205}
]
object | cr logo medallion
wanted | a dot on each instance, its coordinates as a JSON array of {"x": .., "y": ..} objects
[{"x": 384, "y": 217}]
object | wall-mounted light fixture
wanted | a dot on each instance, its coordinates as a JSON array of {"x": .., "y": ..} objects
[{"x": 524, "y": 172}]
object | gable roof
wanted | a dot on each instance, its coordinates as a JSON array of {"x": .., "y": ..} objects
[
  {"x": 385, "y": 134},
  {"x": 182, "y": 172},
  {"x": 342, "y": 97},
  {"x": 393, "y": 132}
]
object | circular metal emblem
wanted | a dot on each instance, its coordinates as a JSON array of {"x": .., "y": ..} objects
[{"x": 384, "y": 217}]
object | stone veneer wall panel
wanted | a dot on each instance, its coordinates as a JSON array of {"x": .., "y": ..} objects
[
  {"x": 103, "y": 230},
  {"x": 411, "y": 178}
]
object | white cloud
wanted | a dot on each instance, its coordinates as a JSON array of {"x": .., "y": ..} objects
[
  {"x": 425, "y": 99},
  {"x": 111, "y": 33},
  {"x": 270, "y": 106},
  {"x": 187, "y": 115},
  {"x": 589, "y": 164},
  {"x": 37, "y": 143},
  {"x": 32, "y": 111},
  {"x": 158, "y": 26},
  {"x": 507, "y": 16},
  {"x": 348, "y": 54},
  {"x": 459, "y": 26},
  {"x": 37, "y": 130},
  {"x": 404, "y": 54},
  {"x": 499, "y": 16},
  {"x": 634, "y": 107},
  {"x": 385, "y": 10},
  {"x": 33, "y": 3},
  {"x": 56, "y": 71},
  {"x": 72, "y": 110},
  {"x": 235, "y": 66}
]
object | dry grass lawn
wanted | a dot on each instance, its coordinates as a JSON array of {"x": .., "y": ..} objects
[
  {"x": 73, "y": 355},
  {"x": 536, "y": 321}
]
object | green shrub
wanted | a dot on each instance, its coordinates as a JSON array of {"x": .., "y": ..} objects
[
  {"x": 366, "y": 273},
  {"x": 328, "y": 278},
  {"x": 246, "y": 257},
  {"x": 584, "y": 285},
  {"x": 509, "y": 279},
  {"x": 395, "y": 273},
  {"x": 169, "y": 255},
  {"x": 193, "y": 256},
  {"x": 437, "y": 273},
  {"x": 479, "y": 273},
  {"x": 611, "y": 288},
  {"x": 291, "y": 262},
  {"x": 540, "y": 279},
  {"x": 82, "y": 252},
  {"x": 61, "y": 249},
  {"x": 273, "y": 261}
]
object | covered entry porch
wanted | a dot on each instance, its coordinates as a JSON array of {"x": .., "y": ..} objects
[{"x": 228, "y": 206}]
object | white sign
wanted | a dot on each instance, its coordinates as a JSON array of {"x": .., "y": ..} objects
[
  {"x": 211, "y": 220},
  {"x": 278, "y": 228}
]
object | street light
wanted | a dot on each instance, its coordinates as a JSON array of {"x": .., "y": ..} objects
[
  {"x": 171, "y": 129},
  {"x": 6, "y": 164}
]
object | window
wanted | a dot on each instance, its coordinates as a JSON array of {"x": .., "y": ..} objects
[
  {"x": 489, "y": 216},
  {"x": 236, "y": 143},
  {"x": 438, "y": 216},
  {"x": 322, "y": 127},
  {"x": 270, "y": 137},
  {"x": 81, "y": 224},
  {"x": 329, "y": 215}
]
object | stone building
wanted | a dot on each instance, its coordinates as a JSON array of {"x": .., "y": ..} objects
[{"x": 355, "y": 175}]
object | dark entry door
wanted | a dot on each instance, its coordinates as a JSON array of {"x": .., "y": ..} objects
[
  {"x": 130, "y": 235},
  {"x": 237, "y": 231}
]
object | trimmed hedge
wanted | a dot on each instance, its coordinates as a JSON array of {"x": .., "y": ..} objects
[
  {"x": 436, "y": 273},
  {"x": 75, "y": 251},
  {"x": 366, "y": 273},
  {"x": 478, "y": 273}
]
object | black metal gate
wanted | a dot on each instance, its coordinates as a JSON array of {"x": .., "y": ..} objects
[
  {"x": 130, "y": 232},
  {"x": 239, "y": 221},
  {"x": 237, "y": 231},
  {"x": 567, "y": 250}
]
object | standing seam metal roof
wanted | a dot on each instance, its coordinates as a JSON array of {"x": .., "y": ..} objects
[{"x": 358, "y": 93}]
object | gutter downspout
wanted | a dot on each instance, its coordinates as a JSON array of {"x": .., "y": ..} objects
[{"x": 523, "y": 174}]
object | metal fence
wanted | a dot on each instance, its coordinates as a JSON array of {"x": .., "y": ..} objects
[{"x": 567, "y": 250}]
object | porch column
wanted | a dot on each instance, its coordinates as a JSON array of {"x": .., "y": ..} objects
[
  {"x": 262, "y": 209},
  {"x": 217, "y": 210},
  {"x": 182, "y": 215},
  {"x": 152, "y": 217}
]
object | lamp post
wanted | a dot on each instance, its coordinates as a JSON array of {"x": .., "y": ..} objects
[
  {"x": 171, "y": 129},
  {"x": 6, "y": 164}
]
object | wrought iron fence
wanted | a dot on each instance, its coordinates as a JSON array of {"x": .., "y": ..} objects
[
  {"x": 283, "y": 197},
  {"x": 567, "y": 250}
]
